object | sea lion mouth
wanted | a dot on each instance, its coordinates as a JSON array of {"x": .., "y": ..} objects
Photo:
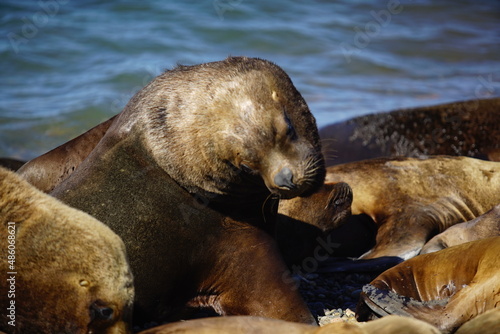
[{"x": 246, "y": 169}]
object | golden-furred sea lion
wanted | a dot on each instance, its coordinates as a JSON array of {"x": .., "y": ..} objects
[
  {"x": 63, "y": 271},
  {"x": 486, "y": 323},
  {"x": 445, "y": 288},
  {"x": 482, "y": 227},
  {"x": 253, "y": 325},
  {"x": 411, "y": 200},
  {"x": 465, "y": 128},
  {"x": 186, "y": 176}
]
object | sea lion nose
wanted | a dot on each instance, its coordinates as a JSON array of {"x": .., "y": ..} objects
[
  {"x": 99, "y": 312},
  {"x": 284, "y": 179}
]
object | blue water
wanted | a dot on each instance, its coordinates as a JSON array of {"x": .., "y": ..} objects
[{"x": 67, "y": 65}]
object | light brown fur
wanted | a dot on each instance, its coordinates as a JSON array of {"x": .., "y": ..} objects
[
  {"x": 445, "y": 288},
  {"x": 326, "y": 209},
  {"x": 482, "y": 227},
  {"x": 255, "y": 325},
  {"x": 411, "y": 200},
  {"x": 486, "y": 323},
  {"x": 253, "y": 113},
  {"x": 68, "y": 265}
]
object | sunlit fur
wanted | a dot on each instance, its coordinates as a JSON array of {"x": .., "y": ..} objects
[
  {"x": 66, "y": 260},
  {"x": 222, "y": 127}
]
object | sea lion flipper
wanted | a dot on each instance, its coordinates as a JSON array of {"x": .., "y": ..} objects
[
  {"x": 340, "y": 197},
  {"x": 271, "y": 289},
  {"x": 384, "y": 302}
]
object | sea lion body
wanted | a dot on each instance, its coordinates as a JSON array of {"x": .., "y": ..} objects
[
  {"x": 482, "y": 227},
  {"x": 411, "y": 200},
  {"x": 11, "y": 164},
  {"x": 466, "y": 128},
  {"x": 48, "y": 170},
  {"x": 254, "y": 325},
  {"x": 185, "y": 175},
  {"x": 67, "y": 272},
  {"x": 486, "y": 323},
  {"x": 445, "y": 288}
]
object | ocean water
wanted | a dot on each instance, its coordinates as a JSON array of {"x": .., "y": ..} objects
[{"x": 67, "y": 65}]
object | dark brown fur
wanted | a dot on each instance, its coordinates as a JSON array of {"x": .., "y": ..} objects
[
  {"x": 185, "y": 175},
  {"x": 48, "y": 170},
  {"x": 467, "y": 128}
]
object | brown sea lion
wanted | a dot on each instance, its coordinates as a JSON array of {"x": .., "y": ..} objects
[
  {"x": 486, "y": 323},
  {"x": 186, "y": 176},
  {"x": 302, "y": 221},
  {"x": 48, "y": 170},
  {"x": 253, "y": 325},
  {"x": 445, "y": 288},
  {"x": 65, "y": 272},
  {"x": 482, "y": 227},
  {"x": 467, "y": 128},
  {"x": 326, "y": 209},
  {"x": 411, "y": 200},
  {"x": 11, "y": 164}
]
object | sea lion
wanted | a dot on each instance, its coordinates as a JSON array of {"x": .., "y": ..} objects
[
  {"x": 411, "y": 200},
  {"x": 327, "y": 209},
  {"x": 11, "y": 164},
  {"x": 187, "y": 175},
  {"x": 482, "y": 227},
  {"x": 66, "y": 272},
  {"x": 467, "y": 128},
  {"x": 445, "y": 288},
  {"x": 252, "y": 325},
  {"x": 48, "y": 170},
  {"x": 486, "y": 323},
  {"x": 302, "y": 221}
]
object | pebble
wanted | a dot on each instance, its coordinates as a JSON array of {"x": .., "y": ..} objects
[{"x": 332, "y": 297}]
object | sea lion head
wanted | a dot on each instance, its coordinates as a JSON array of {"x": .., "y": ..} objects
[
  {"x": 84, "y": 287},
  {"x": 231, "y": 126},
  {"x": 71, "y": 271}
]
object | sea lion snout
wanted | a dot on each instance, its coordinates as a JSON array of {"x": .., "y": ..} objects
[
  {"x": 98, "y": 311},
  {"x": 284, "y": 179}
]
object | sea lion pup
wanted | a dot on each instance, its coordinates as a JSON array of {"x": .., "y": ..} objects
[
  {"x": 411, "y": 200},
  {"x": 252, "y": 325},
  {"x": 48, "y": 170},
  {"x": 66, "y": 272},
  {"x": 467, "y": 128},
  {"x": 186, "y": 176},
  {"x": 326, "y": 209},
  {"x": 445, "y": 288},
  {"x": 482, "y": 227},
  {"x": 302, "y": 221}
]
